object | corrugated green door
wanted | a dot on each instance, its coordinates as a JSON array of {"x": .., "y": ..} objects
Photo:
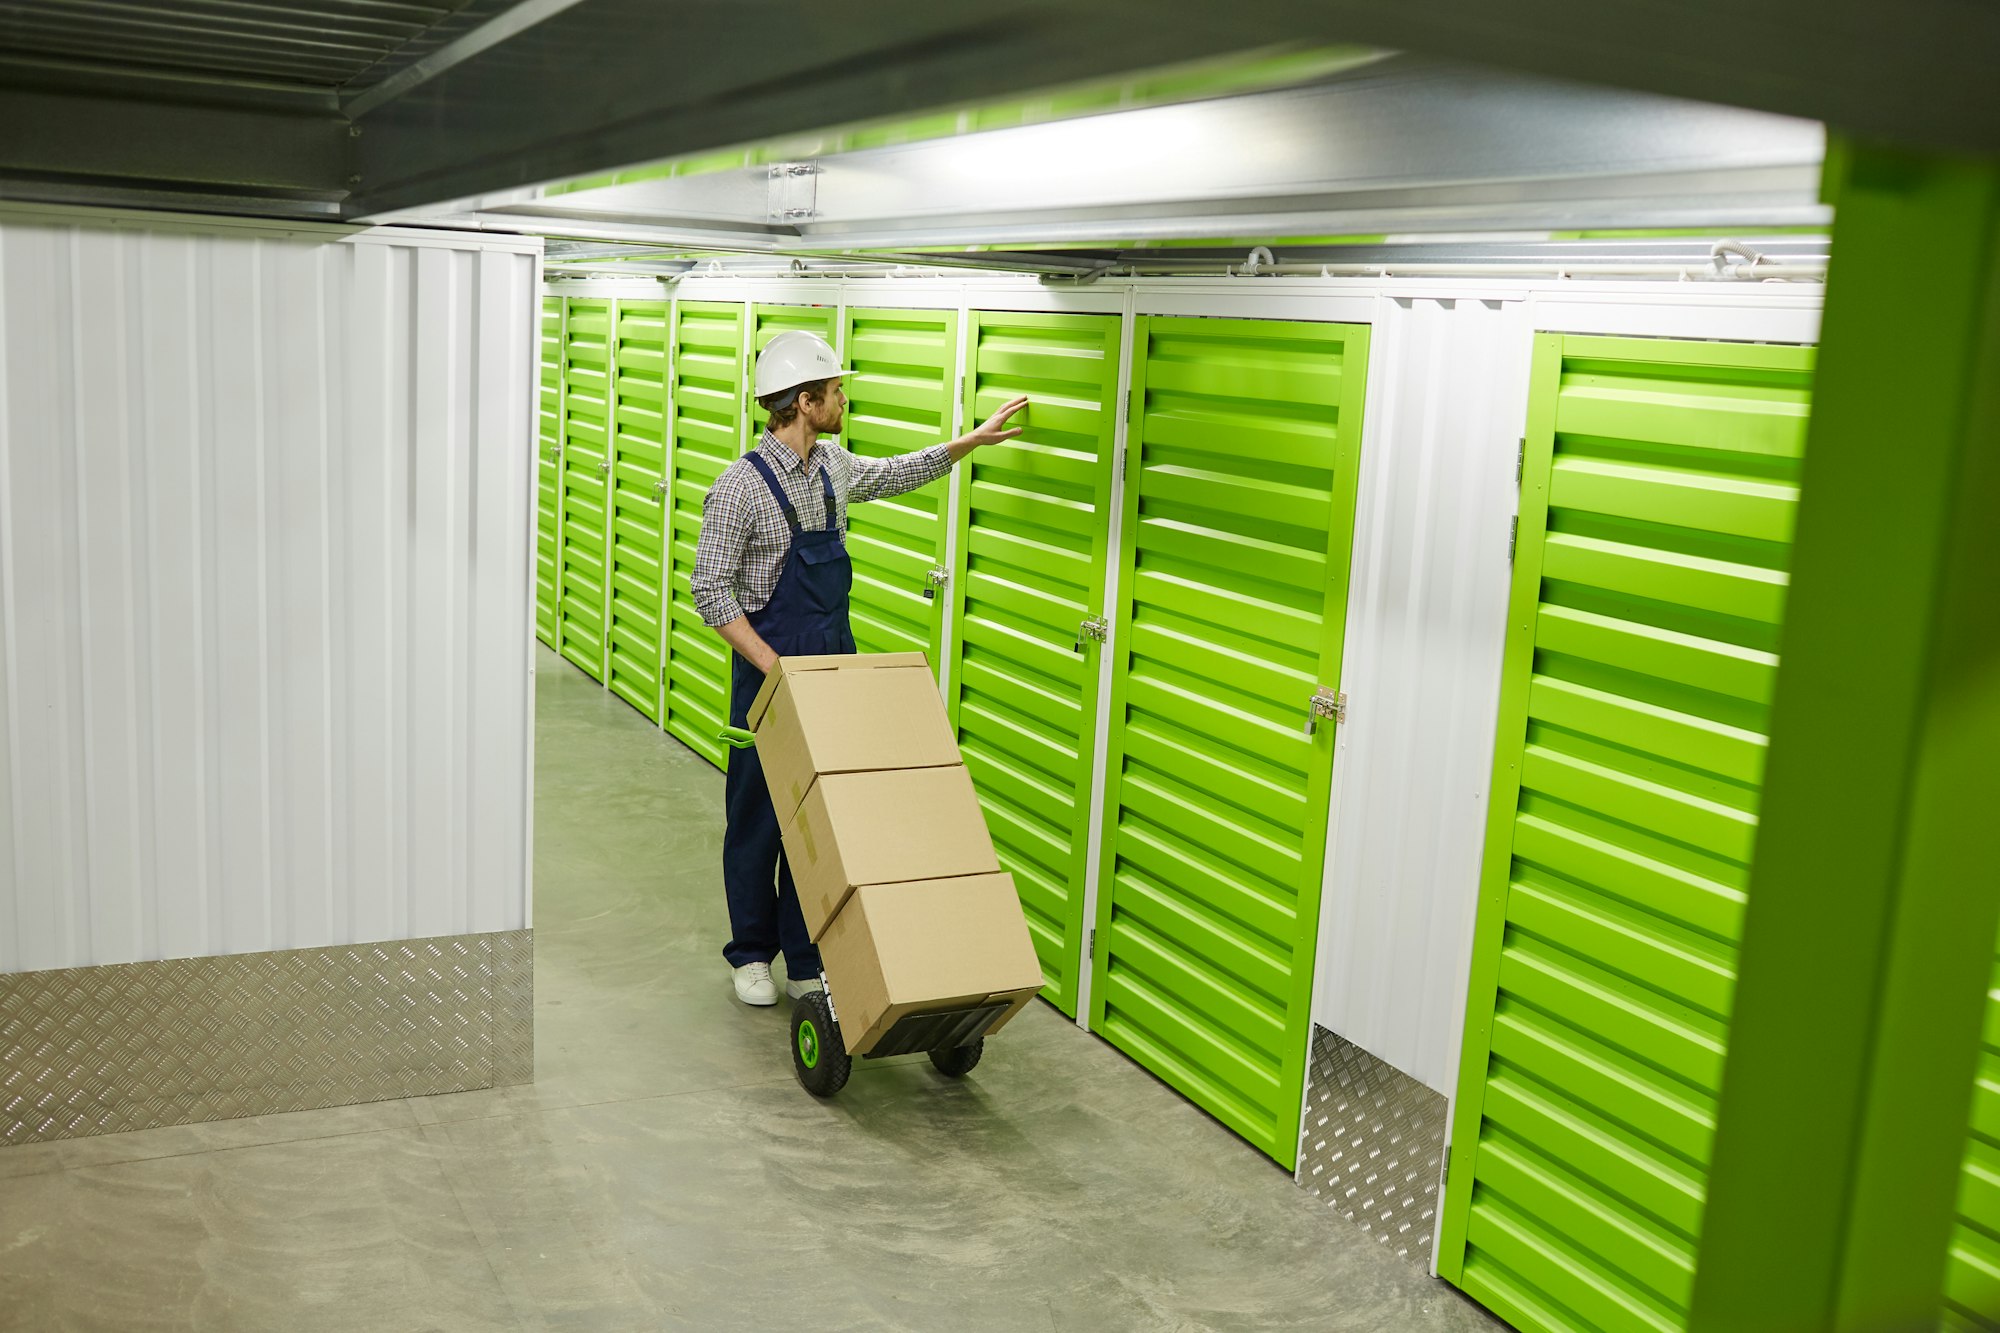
[
  {"x": 1030, "y": 565},
  {"x": 586, "y": 468},
  {"x": 767, "y": 322},
  {"x": 1238, "y": 521},
  {"x": 638, "y": 503},
  {"x": 1972, "y": 1283},
  {"x": 1658, "y": 489},
  {"x": 905, "y": 370},
  {"x": 707, "y": 432},
  {"x": 548, "y": 476}
]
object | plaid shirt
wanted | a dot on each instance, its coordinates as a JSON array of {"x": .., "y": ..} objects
[{"x": 744, "y": 537}]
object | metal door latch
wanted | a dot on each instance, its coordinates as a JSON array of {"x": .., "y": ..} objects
[
  {"x": 937, "y": 576},
  {"x": 1095, "y": 628},
  {"x": 659, "y": 488},
  {"x": 1325, "y": 703},
  {"x": 605, "y": 467}
]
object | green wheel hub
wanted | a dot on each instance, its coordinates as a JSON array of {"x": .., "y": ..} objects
[{"x": 808, "y": 1044}]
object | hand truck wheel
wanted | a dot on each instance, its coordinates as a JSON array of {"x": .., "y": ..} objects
[
  {"x": 819, "y": 1057},
  {"x": 957, "y": 1061}
]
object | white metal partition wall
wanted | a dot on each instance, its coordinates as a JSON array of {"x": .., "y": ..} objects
[
  {"x": 1426, "y": 622},
  {"x": 265, "y": 587}
]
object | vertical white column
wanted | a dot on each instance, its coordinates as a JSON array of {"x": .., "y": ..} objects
[
  {"x": 1107, "y": 656},
  {"x": 670, "y": 362},
  {"x": 498, "y": 750},
  {"x": 527, "y": 649},
  {"x": 947, "y": 624}
]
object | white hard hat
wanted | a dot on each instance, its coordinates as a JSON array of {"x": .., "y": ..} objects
[{"x": 793, "y": 358}]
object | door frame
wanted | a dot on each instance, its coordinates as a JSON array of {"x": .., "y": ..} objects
[
  {"x": 1355, "y": 381},
  {"x": 1071, "y": 998}
]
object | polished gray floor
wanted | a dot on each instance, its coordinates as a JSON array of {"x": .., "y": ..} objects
[{"x": 665, "y": 1172}]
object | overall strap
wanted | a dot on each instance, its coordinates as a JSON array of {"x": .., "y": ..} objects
[
  {"x": 777, "y": 491},
  {"x": 826, "y": 489}
]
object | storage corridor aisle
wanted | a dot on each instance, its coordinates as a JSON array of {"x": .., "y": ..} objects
[{"x": 665, "y": 1171}]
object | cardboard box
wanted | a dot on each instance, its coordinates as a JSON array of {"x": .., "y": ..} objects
[
  {"x": 851, "y": 714},
  {"x": 923, "y": 947},
  {"x": 890, "y": 827}
]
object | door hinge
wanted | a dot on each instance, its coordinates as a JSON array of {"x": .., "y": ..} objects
[
  {"x": 1124, "y": 456},
  {"x": 937, "y": 576},
  {"x": 1090, "y": 949},
  {"x": 1521, "y": 460},
  {"x": 1326, "y": 702},
  {"x": 1513, "y": 536}
]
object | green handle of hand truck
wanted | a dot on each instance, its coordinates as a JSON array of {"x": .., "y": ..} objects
[{"x": 737, "y": 737}]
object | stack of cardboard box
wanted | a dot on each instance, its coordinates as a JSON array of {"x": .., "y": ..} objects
[{"x": 895, "y": 870}]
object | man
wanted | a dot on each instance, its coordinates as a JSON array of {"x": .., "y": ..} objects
[{"x": 772, "y": 577}]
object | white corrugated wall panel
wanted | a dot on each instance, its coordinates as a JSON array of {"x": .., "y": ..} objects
[
  {"x": 1425, "y": 629},
  {"x": 265, "y": 581}
]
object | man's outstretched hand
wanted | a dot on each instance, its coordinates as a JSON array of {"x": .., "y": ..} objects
[{"x": 995, "y": 430}]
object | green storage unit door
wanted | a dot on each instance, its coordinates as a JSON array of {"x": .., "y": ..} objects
[
  {"x": 767, "y": 322},
  {"x": 585, "y": 473},
  {"x": 1972, "y": 1282},
  {"x": 707, "y": 433},
  {"x": 1030, "y": 566},
  {"x": 1659, "y": 483},
  {"x": 638, "y": 503},
  {"x": 905, "y": 371},
  {"x": 1237, "y": 529},
  {"x": 548, "y": 476}
]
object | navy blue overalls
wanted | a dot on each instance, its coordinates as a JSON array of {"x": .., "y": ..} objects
[{"x": 807, "y": 613}]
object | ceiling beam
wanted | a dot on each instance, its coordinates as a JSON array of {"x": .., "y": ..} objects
[
  {"x": 608, "y": 83},
  {"x": 553, "y": 89},
  {"x": 103, "y": 148},
  {"x": 507, "y": 23},
  {"x": 1919, "y": 72},
  {"x": 1397, "y": 146},
  {"x": 611, "y": 83}
]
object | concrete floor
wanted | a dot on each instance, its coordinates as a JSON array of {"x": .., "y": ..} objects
[{"x": 666, "y": 1172}]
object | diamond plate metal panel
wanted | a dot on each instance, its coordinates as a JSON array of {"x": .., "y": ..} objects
[
  {"x": 102, "y": 1050},
  {"x": 513, "y": 1007},
  {"x": 1373, "y": 1145}
]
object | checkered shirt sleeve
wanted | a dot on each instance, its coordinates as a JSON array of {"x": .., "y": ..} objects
[{"x": 744, "y": 537}]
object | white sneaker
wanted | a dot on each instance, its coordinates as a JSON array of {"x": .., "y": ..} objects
[
  {"x": 754, "y": 984},
  {"x": 798, "y": 990}
]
